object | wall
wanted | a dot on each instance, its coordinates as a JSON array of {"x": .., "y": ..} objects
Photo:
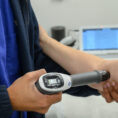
[{"x": 75, "y": 13}]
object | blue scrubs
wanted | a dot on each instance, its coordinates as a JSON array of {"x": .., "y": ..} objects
[{"x": 9, "y": 61}]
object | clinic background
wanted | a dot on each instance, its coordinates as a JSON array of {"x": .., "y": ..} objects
[
  {"x": 75, "y": 13},
  {"x": 72, "y": 14}
]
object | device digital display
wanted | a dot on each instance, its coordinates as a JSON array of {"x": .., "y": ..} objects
[
  {"x": 52, "y": 81},
  {"x": 100, "y": 39}
]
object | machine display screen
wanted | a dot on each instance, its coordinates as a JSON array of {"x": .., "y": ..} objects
[
  {"x": 100, "y": 39},
  {"x": 52, "y": 81}
]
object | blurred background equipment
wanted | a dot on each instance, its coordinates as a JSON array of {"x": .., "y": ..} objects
[
  {"x": 58, "y": 32},
  {"x": 100, "y": 40},
  {"x": 72, "y": 38}
]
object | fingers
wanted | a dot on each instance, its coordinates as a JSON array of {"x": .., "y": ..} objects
[
  {"x": 115, "y": 85},
  {"x": 110, "y": 91},
  {"x": 113, "y": 89},
  {"x": 38, "y": 73},
  {"x": 55, "y": 98},
  {"x": 34, "y": 76},
  {"x": 43, "y": 110},
  {"x": 50, "y": 99},
  {"x": 106, "y": 94}
]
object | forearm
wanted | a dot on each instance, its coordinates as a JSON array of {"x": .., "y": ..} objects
[{"x": 72, "y": 60}]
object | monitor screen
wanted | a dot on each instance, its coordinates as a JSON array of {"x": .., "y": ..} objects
[{"x": 100, "y": 39}]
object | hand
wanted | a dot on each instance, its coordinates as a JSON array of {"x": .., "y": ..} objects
[
  {"x": 110, "y": 91},
  {"x": 110, "y": 88},
  {"x": 24, "y": 95},
  {"x": 110, "y": 66}
]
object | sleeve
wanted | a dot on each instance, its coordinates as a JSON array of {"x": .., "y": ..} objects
[
  {"x": 43, "y": 61},
  {"x": 5, "y": 105}
]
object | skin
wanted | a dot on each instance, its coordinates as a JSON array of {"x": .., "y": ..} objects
[
  {"x": 110, "y": 92},
  {"x": 24, "y": 95},
  {"x": 75, "y": 61},
  {"x": 110, "y": 88}
]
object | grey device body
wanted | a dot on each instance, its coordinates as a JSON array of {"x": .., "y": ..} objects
[{"x": 52, "y": 83}]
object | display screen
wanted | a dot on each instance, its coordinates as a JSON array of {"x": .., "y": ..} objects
[
  {"x": 52, "y": 81},
  {"x": 100, "y": 39}
]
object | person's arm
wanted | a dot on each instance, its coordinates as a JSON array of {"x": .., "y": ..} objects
[
  {"x": 110, "y": 88},
  {"x": 74, "y": 61},
  {"x": 41, "y": 60}
]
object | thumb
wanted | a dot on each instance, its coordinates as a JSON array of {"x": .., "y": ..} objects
[{"x": 36, "y": 74}]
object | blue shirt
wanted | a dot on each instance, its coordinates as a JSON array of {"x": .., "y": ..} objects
[{"x": 9, "y": 61}]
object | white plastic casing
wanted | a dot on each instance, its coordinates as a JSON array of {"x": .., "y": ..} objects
[{"x": 66, "y": 79}]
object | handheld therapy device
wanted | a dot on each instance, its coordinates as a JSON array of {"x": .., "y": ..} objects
[{"x": 51, "y": 83}]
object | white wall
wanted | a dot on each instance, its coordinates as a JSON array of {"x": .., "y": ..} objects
[{"x": 75, "y": 13}]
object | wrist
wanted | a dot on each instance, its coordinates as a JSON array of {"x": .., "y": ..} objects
[
  {"x": 100, "y": 64},
  {"x": 104, "y": 65}
]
